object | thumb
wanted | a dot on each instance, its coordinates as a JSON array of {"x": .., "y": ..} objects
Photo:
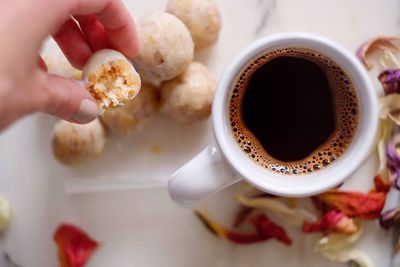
[{"x": 68, "y": 99}]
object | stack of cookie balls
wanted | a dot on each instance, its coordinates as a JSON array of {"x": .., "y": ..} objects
[{"x": 163, "y": 77}]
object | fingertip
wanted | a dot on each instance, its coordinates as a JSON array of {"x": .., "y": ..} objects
[
  {"x": 86, "y": 113},
  {"x": 69, "y": 100}
]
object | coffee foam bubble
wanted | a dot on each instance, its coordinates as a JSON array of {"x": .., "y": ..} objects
[{"x": 346, "y": 113}]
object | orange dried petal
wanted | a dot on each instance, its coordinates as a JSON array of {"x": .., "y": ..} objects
[
  {"x": 355, "y": 204},
  {"x": 75, "y": 247},
  {"x": 381, "y": 185}
]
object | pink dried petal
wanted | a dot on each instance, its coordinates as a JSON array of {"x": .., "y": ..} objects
[
  {"x": 331, "y": 222},
  {"x": 390, "y": 43}
]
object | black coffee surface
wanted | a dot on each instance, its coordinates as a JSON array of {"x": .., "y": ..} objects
[
  {"x": 293, "y": 111},
  {"x": 288, "y": 107}
]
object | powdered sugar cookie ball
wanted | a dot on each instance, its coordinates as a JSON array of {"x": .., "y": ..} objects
[
  {"x": 202, "y": 18},
  {"x": 111, "y": 78},
  {"x": 135, "y": 114},
  {"x": 76, "y": 144},
  {"x": 166, "y": 47},
  {"x": 189, "y": 96}
]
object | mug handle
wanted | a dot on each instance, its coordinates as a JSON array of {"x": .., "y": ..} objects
[{"x": 205, "y": 174}]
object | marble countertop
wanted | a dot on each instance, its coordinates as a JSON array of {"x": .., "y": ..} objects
[{"x": 143, "y": 227}]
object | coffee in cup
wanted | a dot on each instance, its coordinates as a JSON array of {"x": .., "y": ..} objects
[{"x": 293, "y": 111}]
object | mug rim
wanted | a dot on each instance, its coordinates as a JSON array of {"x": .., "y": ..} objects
[{"x": 310, "y": 184}]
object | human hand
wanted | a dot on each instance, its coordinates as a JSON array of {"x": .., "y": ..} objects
[{"x": 80, "y": 27}]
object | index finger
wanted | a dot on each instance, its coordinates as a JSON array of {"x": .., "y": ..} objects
[{"x": 117, "y": 21}]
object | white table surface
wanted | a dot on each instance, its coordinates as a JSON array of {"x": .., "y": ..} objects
[{"x": 143, "y": 227}]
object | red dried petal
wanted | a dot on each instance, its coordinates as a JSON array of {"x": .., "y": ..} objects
[
  {"x": 233, "y": 236},
  {"x": 245, "y": 238},
  {"x": 332, "y": 222},
  {"x": 269, "y": 229},
  {"x": 381, "y": 185},
  {"x": 355, "y": 204},
  {"x": 75, "y": 247}
]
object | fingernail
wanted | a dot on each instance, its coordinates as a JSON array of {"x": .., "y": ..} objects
[{"x": 87, "y": 112}]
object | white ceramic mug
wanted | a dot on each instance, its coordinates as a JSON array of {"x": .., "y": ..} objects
[{"x": 224, "y": 163}]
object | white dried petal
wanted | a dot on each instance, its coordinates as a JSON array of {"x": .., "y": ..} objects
[
  {"x": 389, "y": 107},
  {"x": 339, "y": 248}
]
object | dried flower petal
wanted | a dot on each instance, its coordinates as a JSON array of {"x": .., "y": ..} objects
[
  {"x": 338, "y": 241},
  {"x": 265, "y": 229},
  {"x": 384, "y": 135},
  {"x": 268, "y": 228},
  {"x": 75, "y": 247},
  {"x": 223, "y": 233},
  {"x": 381, "y": 185},
  {"x": 331, "y": 222},
  {"x": 393, "y": 160},
  {"x": 294, "y": 216},
  {"x": 390, "y": 108},
  {"x": 390, "y": 80},
  {"x": 390, "y": 218},
  {"x": 338, "y": 248},
  {"x": 380, "y": 43},
  {"x": 389, "y": 60},
  {"x": 355, "y": 204}
]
